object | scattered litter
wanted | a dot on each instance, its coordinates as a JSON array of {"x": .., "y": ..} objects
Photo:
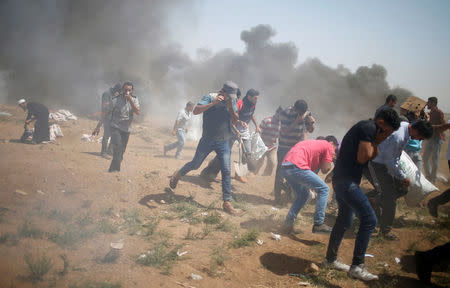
[
  {"x": 40, "y": 192},
  {"x": 259, "y": 242},
  {"x": 196, "y": 277},
  {"x": 18, "y": 191},
  {"x": 62, "y": 115},
  {"x": 129, "y": 180},
  {"x": 117, "y": 245},
  {"x": 369, "y": 255},
  {"x": 184, "y": 285},
  {"x": 162, "y": 202},
  {"x": 4, "y": 113},
  {"x": 303, "y": 283},
  {"x": 313, "y": 268},
  {"x": 204, "y": 214},
  {"x": 86, "y": 138},
  {"x": 181, "y": 253},
  {"x": 397, "y": 260},
  {"x": 142, "y": 256},
  {"x": 276, "y": 237},
  {"x": 386, "y": 265},
  {"x": 55, "y": 131},
  {"x": 312, "y": 195},
  {"x": 185, "y": 220},
  {"x": 296, "y": 275},
  {"x": 274, "y": 209},
  {"x": 63, "y": 191}
]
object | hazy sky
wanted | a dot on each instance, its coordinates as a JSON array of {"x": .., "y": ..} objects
[{"x": 411, "y": 39}]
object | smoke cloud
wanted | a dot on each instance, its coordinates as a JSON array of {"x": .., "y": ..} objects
[{"x": 63, "y": 52}]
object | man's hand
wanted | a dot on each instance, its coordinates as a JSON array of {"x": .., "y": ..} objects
[
  {"x": 218, "y": 99},
  {"x": 128, "y": 97},
  {"x": 96, "y": 131},
  {"x": 406, "y": 182},
  {"x": 329, "y": 178},
  {"x": 28, "y": 121},
  {"x": 243, "y": 124}
]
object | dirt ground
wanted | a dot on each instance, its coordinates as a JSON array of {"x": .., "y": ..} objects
[{"x": 60, "y": 209}]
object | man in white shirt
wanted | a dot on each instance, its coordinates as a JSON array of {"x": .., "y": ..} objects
[{"x": 179, "y": 129}]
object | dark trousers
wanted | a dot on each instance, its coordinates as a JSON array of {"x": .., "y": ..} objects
[
  {"x": 119, "y": 141},
  {"x": 386, "y": 199},
  {"x": 106, "y": 136},
  {"x": 281, "y": 153},
  {"x": 41, "y": 130},
  {"x": 441, "y": 199},
  {"x": 351, "y": 200}
]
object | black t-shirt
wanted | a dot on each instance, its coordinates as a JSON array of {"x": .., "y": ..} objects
[
  {"x": 347, "y": 166},
  {"x": 37, "y": 110},
  {"x": 246, "y": 111},
  {"x": 216, "y": 120}
]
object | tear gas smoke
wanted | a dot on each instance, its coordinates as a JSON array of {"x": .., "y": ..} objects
[{"x": 63, "y": 52}]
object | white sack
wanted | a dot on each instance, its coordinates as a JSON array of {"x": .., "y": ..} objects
[{"x": 258, "y": 146}]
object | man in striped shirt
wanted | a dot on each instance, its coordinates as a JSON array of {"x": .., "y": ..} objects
[
  {"x": 270, "y": 130},
  {"x": 296, "y": 122}
]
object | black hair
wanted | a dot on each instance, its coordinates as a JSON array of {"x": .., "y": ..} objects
[
  {"x": 391, "y": 97},
  {"x": 252, "y": 93},
  {"x": 279, "y": 110},
  {"x": 433, "y": 100},
  {"x": 390, "y": 117},
  {"x": 189, "y": 103},
  {"x": 301, "y": 106},
  {"x": 128, "y": 83},
  {"x": 320, "y": 138},
  {"x": 424, "y": 128},
  {"x": 332, "y": 139},
  {"x": 238, "y": 94},
  {"x": 411, "y": 116}
]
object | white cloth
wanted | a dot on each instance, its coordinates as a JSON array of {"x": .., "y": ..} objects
[{"x": 182, "y": 118}]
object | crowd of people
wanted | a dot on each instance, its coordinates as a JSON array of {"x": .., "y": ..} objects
[{"x": 371, "y": 148}]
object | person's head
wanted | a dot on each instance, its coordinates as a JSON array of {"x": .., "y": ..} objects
[
  {"x": 421, "y": 130},
  {"x": 300, "y": 106},
  {"x": 23, "y": 104},
  {"x": 320, "y": 138},
  {"x": 190, "y": 106},
  {"x": 116, "y": 89},
  {"x": 387, "y": 122},
  {"x": 229, "y": 89},
  {"x": 278, "y": 112},
  {"x": 252, "y": 96},
  {"x": 391, "y": 100},
  {"x": 238, "y": 94},
  {"x": 127, "y": 88},
  {"x": 333, "y": 140},
  {"x": 432, "y": 102}
]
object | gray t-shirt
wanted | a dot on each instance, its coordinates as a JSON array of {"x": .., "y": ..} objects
[{"x": 122, "y": 113}]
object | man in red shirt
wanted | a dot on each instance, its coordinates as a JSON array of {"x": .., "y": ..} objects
[
  {"x": 300, "y": 167},
  {"x": 433, "y": 145}
]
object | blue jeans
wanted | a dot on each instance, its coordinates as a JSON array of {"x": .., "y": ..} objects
[
  {"x": 222, "y": 149},
  {"x": 181, "y": 136},
  {"x": 431, "y": 157},
  {"x": 351, "y": 200},
  {"x": 281, "y": 153},
  {"x": 301, "y": 180}
]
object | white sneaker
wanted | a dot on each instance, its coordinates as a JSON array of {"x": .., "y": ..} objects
[
  {"x": 336, "y": 264},
  {"x": 360, "y": 272}
]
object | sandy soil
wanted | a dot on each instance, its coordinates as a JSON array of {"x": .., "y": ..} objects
[{"x": 81, "y": 208}]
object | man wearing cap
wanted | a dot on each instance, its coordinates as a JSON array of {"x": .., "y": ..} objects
[
  {"x": 246, "y": 110},
  {"x": 107, "y": 97},
  {"x": 38, "y": 112},
  {"x": 179, "y": 129},
  {"x": 219, "y": 113}
]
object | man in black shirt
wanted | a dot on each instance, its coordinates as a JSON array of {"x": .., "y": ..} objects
[
  {"x": 38, "y": 112},
  {"x": 359, "y": 145}
]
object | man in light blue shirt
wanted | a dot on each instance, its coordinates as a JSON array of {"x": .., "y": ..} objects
[{"x": 385, "y": 174}]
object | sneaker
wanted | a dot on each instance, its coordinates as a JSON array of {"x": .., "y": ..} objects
[
  {"x": 322, "y": 228},
  {"x": 106, "y": 156},
  {"x": 228, "y": 208},
  {"x": 390, "y": 236},
  {"x": 288, "y": 229},
  {"x": 240, "y": 178},
  {"x": 432, "y": 208},
  {"x": 423, "y": 267},
  {"x": 179, "y": 157},
  {"x": 336, "y": 265},
  {"x": 360, "y": 272},
  {"x": 174, "y": 180}
]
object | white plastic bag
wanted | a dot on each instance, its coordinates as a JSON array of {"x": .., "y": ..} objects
[
  {"x": 55, "y": 131},
  {"x": 419, "y": 186},
  {"x": 258, "y": 146}
]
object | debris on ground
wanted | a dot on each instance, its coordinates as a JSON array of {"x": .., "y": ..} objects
[
  {"x": 40, "y": 192},
  {"x": 55, "y": 131},
  {"x": 259, "y": 242},
  {"x": 111, "y": 256},
  {"x": 368, "y": 255},
  {"x": 20, "y": 192},
  {"x": 62, "y": 115},
  {"x": 181, "y": 253},
  {"x": 276, "y": 237},
  {"x": 196, "y": 277},
  {"x": 304, "y": 283},
  {"x": 4, "y": 113},
  {"x": 397, "y": 260},
  {"x": 117, "y": 245},
  {"x": 313, "y": 268}
]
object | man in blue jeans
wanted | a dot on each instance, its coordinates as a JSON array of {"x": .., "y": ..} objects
[
  {"x": 300, "y": 168},
  {"x": 219, "y": 112},
  {"x": 359, "y": 145}
]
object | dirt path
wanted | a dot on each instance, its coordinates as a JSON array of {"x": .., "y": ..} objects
[{"x": 73, "y": 207}]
